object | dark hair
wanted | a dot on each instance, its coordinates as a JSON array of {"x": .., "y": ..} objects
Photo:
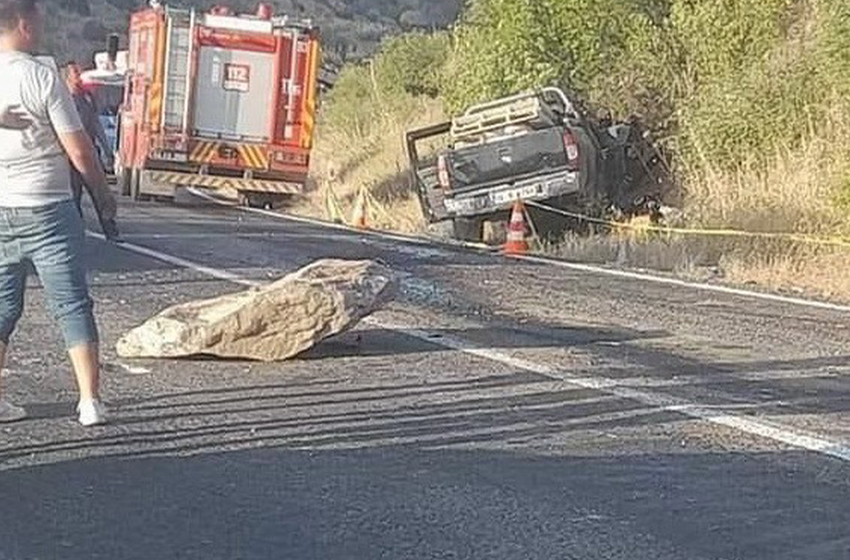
[
  {"x": 13, "y": 11},
  {"x": 65, "y": 69}
]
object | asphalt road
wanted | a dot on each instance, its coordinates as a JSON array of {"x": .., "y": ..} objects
[{"x": 498, "y": 409}]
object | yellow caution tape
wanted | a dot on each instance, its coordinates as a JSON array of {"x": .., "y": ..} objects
[{"x": 834, "y": 241}]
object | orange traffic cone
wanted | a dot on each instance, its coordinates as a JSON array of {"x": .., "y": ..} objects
[
  {"x": 516, "y": 243},
  {"x": 360, "y": 218}
]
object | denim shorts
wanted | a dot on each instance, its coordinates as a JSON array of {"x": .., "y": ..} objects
[{"x": 51, "y": 238}]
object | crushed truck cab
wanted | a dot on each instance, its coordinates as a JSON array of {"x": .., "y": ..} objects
[{"x": 220, "y": 101}]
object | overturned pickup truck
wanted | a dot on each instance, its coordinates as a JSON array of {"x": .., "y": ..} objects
[{"x": 535, "y": 146}]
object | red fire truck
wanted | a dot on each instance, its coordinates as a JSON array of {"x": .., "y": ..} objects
[{"x": 220, "y": 101}]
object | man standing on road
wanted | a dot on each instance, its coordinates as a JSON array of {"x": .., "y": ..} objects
[
  {"x": 87, "y": 110},
  {"x": 39, "y": 222}
]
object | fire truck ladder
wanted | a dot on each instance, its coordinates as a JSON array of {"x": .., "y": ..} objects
[{"x": 177, "y": 62}]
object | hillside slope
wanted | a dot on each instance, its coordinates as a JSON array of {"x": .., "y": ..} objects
[{"x": 350, "y": 28}]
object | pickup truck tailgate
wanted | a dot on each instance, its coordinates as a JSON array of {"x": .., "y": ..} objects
[{"x": 531, "y": 153}]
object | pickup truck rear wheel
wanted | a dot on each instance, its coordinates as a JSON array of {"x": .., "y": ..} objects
[{"x": 468, "y": 229}]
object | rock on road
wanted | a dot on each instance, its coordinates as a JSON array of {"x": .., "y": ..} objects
[{"x": 498, "y": 409}]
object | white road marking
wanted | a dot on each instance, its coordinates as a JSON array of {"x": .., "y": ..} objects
[
  {"x": 591, "y": 269},
  {"x": 760, "y": 428}
]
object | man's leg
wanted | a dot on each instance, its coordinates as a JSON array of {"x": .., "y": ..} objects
[
  {"x": 12, "y": 282},
  {"x": 86, "y": 362},
  {"x": 58, "y": 258}
]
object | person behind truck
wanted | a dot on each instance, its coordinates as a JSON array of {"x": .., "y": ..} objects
[
  {"x": 40, "y": 132},
  {"x": 87, "y": 110}
]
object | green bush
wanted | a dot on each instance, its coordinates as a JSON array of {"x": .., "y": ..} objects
[
  {"x": 727, "y": 84},
  {"x": 351, "y": 108},
  {"x": 387, "y": 86},
  {"x": 412, "y": 64},
  {"x": 504, "y": 46}
]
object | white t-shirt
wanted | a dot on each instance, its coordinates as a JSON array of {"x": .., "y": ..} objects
[{"x": 34, "y": 170}]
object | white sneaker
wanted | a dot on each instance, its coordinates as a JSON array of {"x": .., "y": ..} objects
[
  {"x": 92, "y": 413},
  {"x": 10, "y": 412}
]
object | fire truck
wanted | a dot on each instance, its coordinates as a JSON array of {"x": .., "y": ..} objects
[{"x": 219, "y": 101}]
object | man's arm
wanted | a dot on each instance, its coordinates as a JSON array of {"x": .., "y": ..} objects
[
  {"x": 83, "y": 157},
  {"x": 75, "y": 141}
]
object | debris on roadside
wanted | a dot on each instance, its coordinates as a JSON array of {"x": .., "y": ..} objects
[{"x": 270, "y": 323}]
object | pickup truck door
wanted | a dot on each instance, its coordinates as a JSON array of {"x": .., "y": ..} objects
[{"x": 423, "y": 147}]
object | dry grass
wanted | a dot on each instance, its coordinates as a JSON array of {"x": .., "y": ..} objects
[
  {"x": 665, "y": 253},
  {"x": 806, "y": 270},
  {"x": 798, "y": 189},
  {"x": 344, "y": 163},
  {"x": 776, "y": 265},
  {"x": 795, "y": 189}
]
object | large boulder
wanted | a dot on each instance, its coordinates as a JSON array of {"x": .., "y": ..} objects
[{"x": 274, "y": 322}]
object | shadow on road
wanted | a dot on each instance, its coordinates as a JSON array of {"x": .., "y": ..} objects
[
  {"x": 499, "y": 466},
  {"x": 412, "y": 503},
  {"x": 189, "y": 231},
  {"x": 463, "y": 463}
]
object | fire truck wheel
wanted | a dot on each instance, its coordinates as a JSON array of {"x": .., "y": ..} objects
[
  {"x": 123, "y": 178},
  {"x": 136, "y": 184},
  {"x": 256, "y": 200}
]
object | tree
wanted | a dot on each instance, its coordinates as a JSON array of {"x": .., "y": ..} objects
[
  {"x": 503, "y": 46},
  {"x": 412, "y": 64}
]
